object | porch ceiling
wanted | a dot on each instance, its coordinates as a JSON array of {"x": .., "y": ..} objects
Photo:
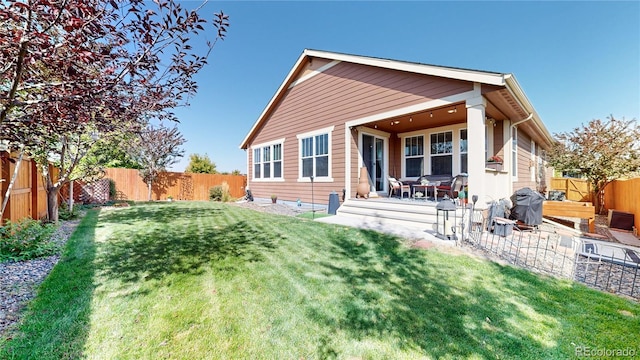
[{"x": 448, "y": 115}]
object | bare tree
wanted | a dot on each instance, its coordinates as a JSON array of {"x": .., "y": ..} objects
[
  {"x": 156, "y": 149},
  {"x": 600, "y": 151}
]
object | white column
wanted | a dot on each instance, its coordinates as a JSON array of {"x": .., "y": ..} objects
[
  {"x": 347, "y": 160},
  {"x": 476, "y": 146}
]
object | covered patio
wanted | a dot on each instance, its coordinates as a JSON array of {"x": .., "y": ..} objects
[{"x": 448, "y": 137}]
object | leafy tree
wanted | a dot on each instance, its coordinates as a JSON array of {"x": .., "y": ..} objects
[
  {"x": 600, "y": 151},
  {"x": 236, "y": 172},
  {"x": 70, "y": 69},
  {"x": 155, "y": 149},
  {"x": 111, "y": 153},
  {"x": 200, "y": 164}
]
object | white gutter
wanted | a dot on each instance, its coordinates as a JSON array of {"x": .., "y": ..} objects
[
  {"x": 516, "y": 91},
  {"x": 523, "y": 120}
]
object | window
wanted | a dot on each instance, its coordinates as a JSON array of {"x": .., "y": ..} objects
[
  {"x": 315, "y": 157},
  {"x": 442, "y": 153},
  {"x": 257, "y": 164},
  {"x": 267, "y": 160},
  {"x": 414, "y": 156},
  {"x": 266, "y": 163},
  {"x": 277, "y": 160},
  {"x": 463, "y": 151}
]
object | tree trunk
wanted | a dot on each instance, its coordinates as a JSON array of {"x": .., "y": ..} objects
[
  {"x": 149, "y": 187},
  {"x": 599, "y": 202},
  {"x": 71, "y": 196},
  {"x": 52, "y": 203}
]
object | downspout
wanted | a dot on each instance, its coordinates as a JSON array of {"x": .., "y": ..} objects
[{"x": 522, "y": 121}]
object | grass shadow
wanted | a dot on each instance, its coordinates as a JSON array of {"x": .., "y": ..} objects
[
  {"x": 393, "y": 294},
  {"x": 160, "y": 245},
  {"x": 487, "y": 310}
]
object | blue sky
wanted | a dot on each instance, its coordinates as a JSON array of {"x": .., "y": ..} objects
[{"x": 576, "y": 61}]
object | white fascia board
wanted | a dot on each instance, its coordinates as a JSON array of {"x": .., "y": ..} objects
[
  {"x": 451, "y": 73},
  {"x": 521, "y": 97},
  {"x": 314, "y": 73},
  {"x": 244, "y": 144}
]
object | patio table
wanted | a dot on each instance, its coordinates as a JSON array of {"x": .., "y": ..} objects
[{"x": 425, "y": 189}]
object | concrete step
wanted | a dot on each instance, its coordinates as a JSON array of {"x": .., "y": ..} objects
[{"x": 413, "y": 213}]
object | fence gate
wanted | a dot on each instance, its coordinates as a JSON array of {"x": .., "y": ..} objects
[{"x": 575, "y": 189}]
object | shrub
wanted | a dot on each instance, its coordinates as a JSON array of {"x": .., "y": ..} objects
[
  {"x": 220, "y": 192},
  {"x": 112, "y": 189},
  {"x": 64, "y": 213},
  {"x": 26, "y": 239}
]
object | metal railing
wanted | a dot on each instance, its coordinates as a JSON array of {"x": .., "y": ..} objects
[{"x": 606, "y": 266}]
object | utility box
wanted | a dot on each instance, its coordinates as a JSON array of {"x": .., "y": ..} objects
[
  {"x": 502, "y": 226},
  {"x": 334, "y": 203}
]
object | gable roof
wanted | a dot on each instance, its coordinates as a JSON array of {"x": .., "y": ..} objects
[{"x": 484, "y": 77}]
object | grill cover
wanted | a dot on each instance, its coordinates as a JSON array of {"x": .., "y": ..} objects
[{"x": 527, "y": 206}]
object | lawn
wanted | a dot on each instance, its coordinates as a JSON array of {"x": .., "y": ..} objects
[{"x": 198, "y": 280}]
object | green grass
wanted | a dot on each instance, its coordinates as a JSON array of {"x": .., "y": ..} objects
[
  {"x": 313, "y": 215},
  {"x": 201, "y": 280}
]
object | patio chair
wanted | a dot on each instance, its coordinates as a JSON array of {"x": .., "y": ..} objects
[
  {"x": 397, "y": 187},
  {"x": 457, "y": 184},
  {"x": 452, "y": 190}
]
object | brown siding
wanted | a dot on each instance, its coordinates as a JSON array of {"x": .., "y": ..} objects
[
  {"x": 498, "y": 140},
  {"x": 395, "y": 156},
  {"x": 524, "y": 160},
  {"x": 342, "y": 93}
]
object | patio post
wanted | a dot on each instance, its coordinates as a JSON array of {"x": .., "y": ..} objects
[{"x": 476, "y": 148}]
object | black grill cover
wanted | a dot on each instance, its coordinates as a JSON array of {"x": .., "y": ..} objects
[{"x": 527, "y": 206}]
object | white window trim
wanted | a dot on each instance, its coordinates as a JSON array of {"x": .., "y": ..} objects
[
  {"x": 455, "y": 128},
  {"x": 404, "y": 155},
  {"x": 453, "y": 152},
  {"x": 261, "y": 146},
  {"x": 385, "y": 136},
  {"x": 489, "y": 145},
  {"x": 460, "y": 152},
  {"x": 329, "y": 132}
]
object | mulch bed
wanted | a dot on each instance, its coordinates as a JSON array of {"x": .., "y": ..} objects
[{"x": 19, "y": 280}]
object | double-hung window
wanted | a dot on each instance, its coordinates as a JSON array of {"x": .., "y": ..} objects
[
  {"x": 414, "y": 156},
  {"x": 315, "y": 155},
  {"x": 442, "y": 153},
  {"x": 257, "y": 164},
  {"x": 267, "y": 160},
  {"x": 277, "y": 160}
]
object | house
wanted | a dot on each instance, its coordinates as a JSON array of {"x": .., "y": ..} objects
[{"x": 335, "y": 113}]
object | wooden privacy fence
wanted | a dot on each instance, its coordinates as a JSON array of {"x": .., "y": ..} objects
[
  {"x": 28, "y": 197},
  {"x": 180, "y": 186},
  {"x": 621, "y": 195},
  {"x": 574, "y": 189},
  {"x": 624, "y": 195}
]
